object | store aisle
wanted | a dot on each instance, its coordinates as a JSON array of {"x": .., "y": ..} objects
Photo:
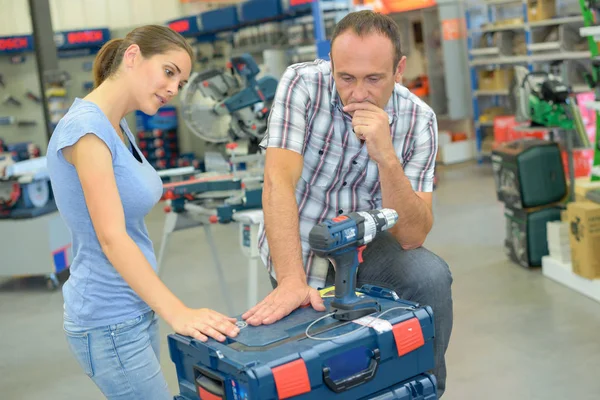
[{"x": 517, "y": 335}]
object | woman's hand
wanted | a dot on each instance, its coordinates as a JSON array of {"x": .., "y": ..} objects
[{"x": 203, "y": 322}]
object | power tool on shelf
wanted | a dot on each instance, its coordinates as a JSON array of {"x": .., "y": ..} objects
[
  {"x": 226, "y": 105},
  {"x": 25, "y": 190},
  {"x": 543, "y": 99},
  {"x": 342, "y": 240}
]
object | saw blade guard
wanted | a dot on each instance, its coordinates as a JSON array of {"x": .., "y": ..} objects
[
  {"x": 228, "y": 105},
  {"x": 201, "y": 105}
]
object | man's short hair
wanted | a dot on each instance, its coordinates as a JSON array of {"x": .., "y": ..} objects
[{"x": 366, "y": 22}]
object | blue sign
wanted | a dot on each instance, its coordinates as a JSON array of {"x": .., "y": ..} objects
[
  {"x": 16, "y": 44},
  {"x": 81, "y": 39},
  {"x": 187, "y": 26}
]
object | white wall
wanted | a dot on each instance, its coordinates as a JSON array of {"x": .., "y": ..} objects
[{"x": 80, "y": 14}]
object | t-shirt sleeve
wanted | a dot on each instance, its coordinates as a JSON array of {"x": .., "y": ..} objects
[
  {"x": 83, "y": 124},
  {"x": 420, "y": 167},
  {"x": 286, "y": 128}
]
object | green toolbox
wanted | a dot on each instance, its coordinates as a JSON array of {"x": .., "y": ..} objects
[
  {"x": 526, "y": 240},
  {"x": 529, "y": 173}
]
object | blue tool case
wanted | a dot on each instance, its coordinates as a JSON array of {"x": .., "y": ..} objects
[{"x": 338, "y": 359}]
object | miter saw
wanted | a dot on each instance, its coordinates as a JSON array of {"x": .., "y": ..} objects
[
  {"x": 222, "y": 106},
  {"x": 24, "y": 188}
]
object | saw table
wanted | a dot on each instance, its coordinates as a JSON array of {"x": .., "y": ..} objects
[{"x": 201, "y": 200}]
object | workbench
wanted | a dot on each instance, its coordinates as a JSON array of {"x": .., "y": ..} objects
[{"x": 35, "y": 246}]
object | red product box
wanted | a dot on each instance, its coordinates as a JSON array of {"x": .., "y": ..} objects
[{"x": 582, "y": 162}]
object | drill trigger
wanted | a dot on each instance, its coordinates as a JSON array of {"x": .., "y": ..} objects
[{"x": 360, "y": 253}]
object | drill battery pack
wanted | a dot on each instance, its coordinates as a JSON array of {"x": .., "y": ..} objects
[{"x": 311, "y": 355}]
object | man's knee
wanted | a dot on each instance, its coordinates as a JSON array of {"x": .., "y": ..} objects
[
  {"x": 429, "y": 271},
  {"x": 412, "y": 273}
]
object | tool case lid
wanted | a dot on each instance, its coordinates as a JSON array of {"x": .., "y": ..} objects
[{"x": 287, "y": 338}]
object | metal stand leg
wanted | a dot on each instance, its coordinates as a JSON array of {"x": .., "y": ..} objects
[
  {"x": 52, "y": 283},
  {"x": 569, "y": 142},
  {"x": 170, "y": 223},
  {"x": 249, "y": 223},
  {"x": 215, "y": 256},
  {"x": 252, "y": 282}
]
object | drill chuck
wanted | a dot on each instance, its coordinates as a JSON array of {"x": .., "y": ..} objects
[{"x": 376, "y": 222}]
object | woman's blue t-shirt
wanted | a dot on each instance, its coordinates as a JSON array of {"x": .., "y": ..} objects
[{"x": 95, "y": 293}]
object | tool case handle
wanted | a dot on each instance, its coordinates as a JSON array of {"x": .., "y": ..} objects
[
  {"x": 208, "y": 384},
  {"x": 350, "y": 382}
]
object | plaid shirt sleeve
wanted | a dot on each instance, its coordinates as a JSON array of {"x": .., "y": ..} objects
[
  {"x": 287, "y": 120},
  {"x": 419, "y": 168}
]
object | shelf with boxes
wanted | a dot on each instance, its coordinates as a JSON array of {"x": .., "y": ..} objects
[
  {"x": 157, "y": 138},
  {"x": 258, "y": 25},
  {"x": 538, "y": 34}
]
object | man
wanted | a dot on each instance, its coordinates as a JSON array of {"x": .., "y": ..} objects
[{"x": 344, "y": 137}]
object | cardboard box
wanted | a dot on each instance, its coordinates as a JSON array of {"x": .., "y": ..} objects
[
  {"x": 507, "y": 129},
  {"x": 584, "y": 185},
  {"x": 539, "y": 10},
  {"x": 495, "y": 79},
  {"x": 582, "y": 162},
  {"x": 584, "y": 233},
  {"x": 558, "y": 233},
  {"x": 456, "y": 152},
  {"x": 559, "y": 244},
  {"x": 490, "y": 113}
]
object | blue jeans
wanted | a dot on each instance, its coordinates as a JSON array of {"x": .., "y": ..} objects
[{"x": 121, "y": 359}]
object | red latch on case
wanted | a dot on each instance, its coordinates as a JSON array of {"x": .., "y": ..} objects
[
  {"x": 291, "y": 379},
  {"x": 206, "y": 395},
  {"x": 408, "y": 336}
]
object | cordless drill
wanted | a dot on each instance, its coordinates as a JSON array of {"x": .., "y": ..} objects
[{"x": 342, "y": 240}]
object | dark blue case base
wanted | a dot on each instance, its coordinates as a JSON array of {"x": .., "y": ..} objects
[
  {"x": 422, "y": 387},
  {"x": 352, "y": 361}
]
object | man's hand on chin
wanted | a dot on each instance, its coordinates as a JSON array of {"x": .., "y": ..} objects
[{"x": 371, "y": 124}]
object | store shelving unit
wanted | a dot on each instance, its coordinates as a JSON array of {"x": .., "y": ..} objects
[
  {"x": 301, "y": 30},
  {"x": 500, "y": 36}
]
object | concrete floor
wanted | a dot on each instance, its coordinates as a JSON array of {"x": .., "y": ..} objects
[{"x": 517, "y": 335}]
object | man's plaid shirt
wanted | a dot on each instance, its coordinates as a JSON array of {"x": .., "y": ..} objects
[{"x": 338, "y": 176}]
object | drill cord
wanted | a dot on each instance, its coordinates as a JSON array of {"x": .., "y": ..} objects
[{"x": 351, "y": 332}]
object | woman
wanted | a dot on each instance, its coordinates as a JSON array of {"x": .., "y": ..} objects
[{"x": 104, "y": 188}]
